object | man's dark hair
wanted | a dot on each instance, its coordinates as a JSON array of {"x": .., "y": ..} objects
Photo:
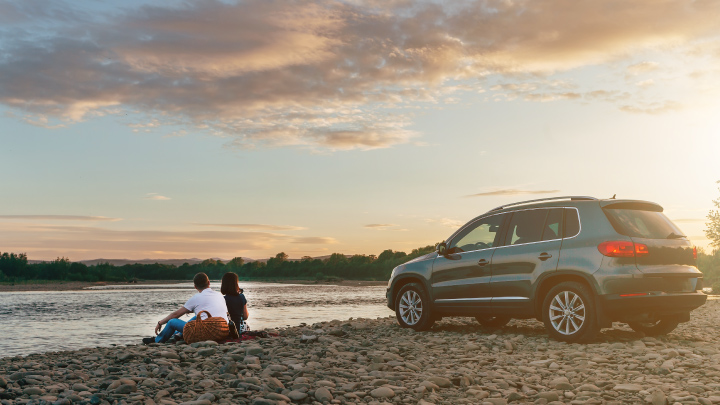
[{"x": 201, "y": 280}]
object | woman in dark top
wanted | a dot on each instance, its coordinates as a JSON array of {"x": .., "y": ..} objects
[{"x": 234, "y": 299}]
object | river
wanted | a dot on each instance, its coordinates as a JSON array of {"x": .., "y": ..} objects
[{"x": 43, "y": 321}]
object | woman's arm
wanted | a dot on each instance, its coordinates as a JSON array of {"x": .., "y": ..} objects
[{"x": 245, "y": 312}]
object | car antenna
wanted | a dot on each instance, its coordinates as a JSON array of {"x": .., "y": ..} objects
[{"x": 613, "y": 197}]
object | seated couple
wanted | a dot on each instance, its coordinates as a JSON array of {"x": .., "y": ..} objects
[{"x": 233, "y": 303}]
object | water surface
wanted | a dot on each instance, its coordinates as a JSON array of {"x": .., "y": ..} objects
[{"x": 42, "y": 321}]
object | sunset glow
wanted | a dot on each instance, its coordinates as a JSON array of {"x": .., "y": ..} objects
[{"x": 221, "y": 128}]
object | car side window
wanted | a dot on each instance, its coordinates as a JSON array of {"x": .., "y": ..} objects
[
  {"x": 526, "y": 227},
  {"x": 482, "y": 234},
  {"x": 572, "y": 223},
  {"x": 553, "y": 225}
]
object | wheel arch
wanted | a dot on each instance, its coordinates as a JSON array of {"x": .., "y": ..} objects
[
  {"x": 552, "y": 279},
  {"x": 404, "y": 280}
]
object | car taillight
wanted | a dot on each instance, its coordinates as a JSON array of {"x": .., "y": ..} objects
[
  {"x": 695, "y": 252},
  {"x": 623, "y": 248}
]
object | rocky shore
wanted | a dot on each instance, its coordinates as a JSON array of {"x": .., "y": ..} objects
[{"x": 375, "y": 361}]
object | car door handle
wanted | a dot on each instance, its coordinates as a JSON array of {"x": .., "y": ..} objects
[
  {"x": 483, "y": 263},
  {"x": 544, "y": 256}
]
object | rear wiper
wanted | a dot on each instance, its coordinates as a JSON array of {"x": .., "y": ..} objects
[{"x": 673, "y": 235}]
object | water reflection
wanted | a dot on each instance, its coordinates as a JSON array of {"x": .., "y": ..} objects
[{"x": 41, "y": 321}]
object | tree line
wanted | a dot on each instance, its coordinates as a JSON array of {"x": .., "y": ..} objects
[{"x": 15, "y": 267}]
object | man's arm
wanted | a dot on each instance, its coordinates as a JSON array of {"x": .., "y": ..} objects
[{"x": 177, "y": 314}]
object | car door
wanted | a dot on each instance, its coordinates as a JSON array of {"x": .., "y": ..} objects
[
  {"x": 460, "y": 277},
  {"x": 531, "y": 247}
]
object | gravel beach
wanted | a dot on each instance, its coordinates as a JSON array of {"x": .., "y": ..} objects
[{"x": 375, "y": 361}]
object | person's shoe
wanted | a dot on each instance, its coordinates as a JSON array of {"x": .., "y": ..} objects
[{"x": 148, "y": 340}]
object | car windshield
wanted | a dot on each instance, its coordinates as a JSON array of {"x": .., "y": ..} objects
[{"x": 642, "y": 223}]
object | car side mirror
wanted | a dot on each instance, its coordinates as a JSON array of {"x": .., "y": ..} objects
[{"x": 442, "y": 248}]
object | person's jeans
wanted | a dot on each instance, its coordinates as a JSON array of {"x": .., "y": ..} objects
[{"x": 172, "y": 327}]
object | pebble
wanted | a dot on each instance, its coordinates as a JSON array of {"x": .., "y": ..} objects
[
  {"x": 382, "y": 392},
  {"x": 323, "y": 394},
  {"x": 373, "y": 361}
]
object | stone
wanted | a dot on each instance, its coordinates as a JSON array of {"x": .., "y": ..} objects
[
  {"x": 297, "y": 395},
  {"x": 550, "y": 396},
  {"x": 125, "y": 389},
  {"x": 33, "y": 391},
  {"x": 323, "y": 394},
  {"x": 80, "y": 387},
  {"x": 441, "y": 382},
  {"x": 561, "y": 383},
  {"x": 3, "y": 382},
  {"x": 627, "y": 388},
  {"x": 658, "y": 398},
  {"x": 382, "y": 392},
  {"x": 254, "y": 350},
  {"x": 206, "y": 352},
  {"x": 263, "y": 401}
]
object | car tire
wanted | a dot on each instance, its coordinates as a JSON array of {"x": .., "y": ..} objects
[
  {"x": 569, "y": 313},
  {"x": 657, "y": 328},
  {"x": 493, "y": 321},
  {"x": 412, "y": 308}
]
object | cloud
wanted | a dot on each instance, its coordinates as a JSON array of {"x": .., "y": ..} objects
[
  {"x": 642, "y": 67},
  {"x": 314, "y": 240},
  {"x": 653, "y": 108},
  {"x": 512, "y": 191},
  {"x": 448, "y": 222},
  {"x": 90, "y": 242},
  {"x": 60, "y": 218},
  {"x": 256, "y": 227},
  {"x": 385, "y": 227},
  {"x": 156, "y": 196},
  {"x": 318, "y": 74}
]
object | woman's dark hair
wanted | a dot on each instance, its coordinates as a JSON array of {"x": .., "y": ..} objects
[{"x": 229, "y": 285}]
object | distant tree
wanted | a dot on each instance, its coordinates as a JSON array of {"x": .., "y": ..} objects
[
  {"x": 236, "y": 262},
  {"x": 208, "y": 263},
  {"x": 13, "y": 265},
  {"x": 713, "y": 225}
]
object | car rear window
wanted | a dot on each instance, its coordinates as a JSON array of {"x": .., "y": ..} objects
[{"x": 641, "y": 223}]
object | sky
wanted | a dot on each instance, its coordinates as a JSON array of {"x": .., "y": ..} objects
[{"x": 196, "y": 129}]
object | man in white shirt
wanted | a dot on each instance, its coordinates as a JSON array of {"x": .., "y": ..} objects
[{"x": 205, "y": 300}]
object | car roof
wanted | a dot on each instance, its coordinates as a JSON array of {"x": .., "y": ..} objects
[{"x": 567, "y": 201}]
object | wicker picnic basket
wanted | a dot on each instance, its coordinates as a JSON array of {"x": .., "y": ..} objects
[{"x": 210, "y": 328}]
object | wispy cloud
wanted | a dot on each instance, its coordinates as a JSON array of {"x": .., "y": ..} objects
[
  {"x": 385, "y": 227},
  {"x": 60, "y": 218},
  {"x": 448, "y": 222},
  {"x": 329, "y": 74},
  {"x": 89, "y": 242},
  {"x": 511, "y": 191},
  {"x": 379, "y": 226},
  {"x": 314, "y": 240},
  {"x": 257, "y": 227},
  {"x": 156, "y": 196}
]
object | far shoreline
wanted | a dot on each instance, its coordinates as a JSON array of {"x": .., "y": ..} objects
[{"x": 32, "y": 285}]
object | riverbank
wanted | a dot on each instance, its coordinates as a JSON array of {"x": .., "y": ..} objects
[
  {"x": 375, "y": 361},
  {"x": 82, "y": 285}
]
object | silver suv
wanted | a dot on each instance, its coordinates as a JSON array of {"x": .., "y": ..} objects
[{"x": 575, "y": 263}]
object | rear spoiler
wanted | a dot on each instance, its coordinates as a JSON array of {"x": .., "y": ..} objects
[{"x": 631, "y": 205}]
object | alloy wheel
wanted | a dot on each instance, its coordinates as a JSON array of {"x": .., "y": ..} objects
[
  {"x": 411, "y": 307},
  {"x": 567, "y": 312}
]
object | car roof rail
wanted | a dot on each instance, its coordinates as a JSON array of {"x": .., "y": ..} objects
[{"x": 567, "y": 197}]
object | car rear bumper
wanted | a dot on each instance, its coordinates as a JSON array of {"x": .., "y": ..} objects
[
  {"x": 390, "y": 302},
  {"x": 619, "y": 307}
]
